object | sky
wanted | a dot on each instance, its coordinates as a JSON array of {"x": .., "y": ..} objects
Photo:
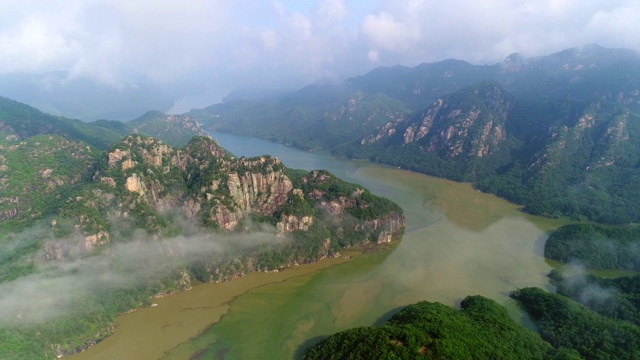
[{"x": 214, "y": 46}]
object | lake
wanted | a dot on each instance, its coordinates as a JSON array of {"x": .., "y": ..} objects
[{"x": 458, "y": 242}]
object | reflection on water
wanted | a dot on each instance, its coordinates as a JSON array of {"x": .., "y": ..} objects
[{"x": 458, "y": 242}]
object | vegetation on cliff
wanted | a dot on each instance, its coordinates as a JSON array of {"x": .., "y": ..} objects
[
  {"x": 559, "y": 159},
  {"x": 558, "y": 134},
  {"x": 145, "y": 218}
]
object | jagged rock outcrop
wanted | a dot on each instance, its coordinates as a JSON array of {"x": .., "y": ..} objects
[
  {"x": 290, "y": 223},
  {"x": 142, "y": 179},
  {"x": 467, "y": 123}
]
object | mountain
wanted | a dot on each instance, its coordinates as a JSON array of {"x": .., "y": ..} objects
[
  {"x": 558, "y": 134},
  {"x": 569, "y": 325},
  {"x": 83, "y": 98},
  {"x": 317, "y": 117},
  {"x": 452, "y": 138},
  {"x": 175, "y": 130},
  {"x": 589, "y": 72},
  {"x": 143, "y": 180},
  {"x": 331, "y": 112},
  {"x": 100, "y": 232},
  {"x": 563, "y": 158},
  {"x": 19, "y": 121},
  {"x": 44, "y": 157}
]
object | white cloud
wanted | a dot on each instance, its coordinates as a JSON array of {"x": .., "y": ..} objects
[
  {"x": 373, "y": 55},
  {"x": 223, "y": 45},
  {"x": 61, "y": 287},
  {"x": 618, "y": 26},
  {"x": 385, "y": 32},
  {"x": 414, "y": 31},
  {"x": 301, "y": 24},
  {"x": 32, "y": 46},
  {"x": 330, "y": 12}
]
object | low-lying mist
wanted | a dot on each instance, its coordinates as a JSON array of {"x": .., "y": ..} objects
[
  {"x": 57, "y": 288},
  {"x": 578, "y": 285}
]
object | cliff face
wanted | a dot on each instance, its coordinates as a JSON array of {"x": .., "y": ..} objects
[
  {"x": 145, "y": 181},
  {"x": 469, "y": 123},
  {"x": 562, "y": 158}
]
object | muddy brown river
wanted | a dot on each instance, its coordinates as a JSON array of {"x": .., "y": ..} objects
[{"x": 458, "y": 242}]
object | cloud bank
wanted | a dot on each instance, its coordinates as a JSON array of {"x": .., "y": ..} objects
[{"x": 216, "y": 46}]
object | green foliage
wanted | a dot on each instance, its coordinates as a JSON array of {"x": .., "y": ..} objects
[
  {"x": 481, "y": 329},
  {"x": 25, "y": 121},
  {"x": 314, "y": 118},
  {"x": 39, "y": 173},
  {"x": 596, "y": 246},
  {"x": 99, "y": 205},
  {"x": 565, "y": 323},
  {"x": 176, "y": 130},
  {"x": 617, "y": 298}
]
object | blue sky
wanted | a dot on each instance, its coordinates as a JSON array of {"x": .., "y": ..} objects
[{"x": 215, "y": 46}]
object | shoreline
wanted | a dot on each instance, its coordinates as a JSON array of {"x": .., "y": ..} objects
[{"x": 184, "y": 315}]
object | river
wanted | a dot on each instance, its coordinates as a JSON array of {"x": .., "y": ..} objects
[{"x": 458, "y": 242}]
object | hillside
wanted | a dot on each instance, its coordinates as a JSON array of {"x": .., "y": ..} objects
[
  {"x": 563, "y": 158},
  {"x": 316, "y": 117},
  {"x": 481, "y": 329},
  {"x": 558, "y": 134},
  {"x": 19, "y": 121},
  {"x": 144, "y": 218},
  {"x": 44, "y": 158},
  {"x": 587, "y": 73},
  {"x": 175, "y": 130}
]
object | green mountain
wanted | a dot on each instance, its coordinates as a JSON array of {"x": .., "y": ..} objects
[
  {"x": 19, "y": 121},
  {"x": 176, "y": 130},
  {"x": 481, "y": 329},
  {"x": 151, "y": 186},
  {"x": 563, "y": 158},
  {"x": 570, "y": 325},
  {"x": 44, "y": 157},
  {"x": 141, "y": 218},
  {"x": 596, "y": 246},
  {"x": 558, "y": 134},
  {"x": 317, "y": 117},
  {"x": 605, "y": 327},
  {"x": 78, "y": 97},
  {"x": 589, "y": 72},
  {"x": 330, "y": 112}
]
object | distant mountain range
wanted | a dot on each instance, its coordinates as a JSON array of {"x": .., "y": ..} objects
[
  {"x": 60, "y": 93},
  {"x": 558, "y": 133}
]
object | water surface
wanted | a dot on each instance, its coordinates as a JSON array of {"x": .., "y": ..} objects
[{"x": 458, "y": 242}]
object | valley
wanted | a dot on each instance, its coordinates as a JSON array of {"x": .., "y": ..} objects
[
  {"x": 458, "y": 241},
  {"x": 168, "y": 236}
]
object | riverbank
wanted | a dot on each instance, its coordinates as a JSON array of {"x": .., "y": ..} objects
[
  {"x": 458, "y": 242},
  {"x": 150, "y": 332}
]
